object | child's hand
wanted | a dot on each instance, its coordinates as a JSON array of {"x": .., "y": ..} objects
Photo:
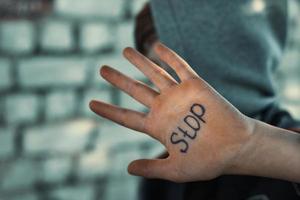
[{"x": 202, "y": 132}]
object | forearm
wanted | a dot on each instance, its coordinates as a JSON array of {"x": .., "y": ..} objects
[
  {"x": 271, "y": 152},
  {"x": 297, "y": 130}
]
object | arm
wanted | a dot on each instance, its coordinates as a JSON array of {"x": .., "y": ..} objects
[
  {"x": 205, "y": 135},
  {"x": 271, "y": 152}
]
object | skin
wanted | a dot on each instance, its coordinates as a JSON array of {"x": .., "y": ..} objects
[{"x": 227, "y": 141}]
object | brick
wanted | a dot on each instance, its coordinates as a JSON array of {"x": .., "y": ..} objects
[
  {"x": 19, "y": 174},
  {"x": 295, "y": 34},
  {"x": 137, "y": 6},
  {"x": 60, "y": 104},
  {"x": 89, "y": 8},
  {"x": 293, "y": 8},
  {"x": 21, "y": 108},
  {"x": 94, "y": 94},
  {"x": 6, "y": 142},
  {"x": 123, "y": 146},
  {"x": 125, "y": 35},
  {"x": 113, "y": 136},
  {"x": 22, "y": 197},
  {"x": 125, "y": 188},
  {"x": 294, "y": 109},
  {"x": 81, "y": 192},
  {"x": 94, "y": 164},
  {"x": 5, "y": 74},
  {"x": 290, "y": 90},
  {"x": 118, "y": 62},
  {"x": 290, "y": 60},
  {"x": 95, "y": 37},
  {"x": 2, "y": 108},
  {"x": 49, "y": 72},
  {"x": 57, "y": 36},
  {"x": 118, "y": 148},
  {"x": 17, "y": 37},
  {"x": 69, "y": 137},
  {"x": 120, "y": 161},
  {"x": 55, "y": 170}
]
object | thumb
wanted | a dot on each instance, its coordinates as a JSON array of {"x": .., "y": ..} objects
[{"x": 156, "y": 168}]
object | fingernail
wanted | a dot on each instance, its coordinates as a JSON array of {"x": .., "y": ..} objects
[
  {"x": 158, "y": 45},
  {"x": 126, "y": 50},
  {"x": 130, "y": 170},
  {"x": 92, "y": 102},
  {"x": 103, "y": 70}
]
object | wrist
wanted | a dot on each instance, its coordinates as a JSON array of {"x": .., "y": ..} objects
[
  {"x": 239, "y": 164},
  {"x": 270, "y": 152}
]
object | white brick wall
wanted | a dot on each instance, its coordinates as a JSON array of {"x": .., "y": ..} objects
[
  {"x": 51, "y": 145},
  {"x": 95, "y": 36},
  {"x": 290, "y": 61},
  {"x": 23, "y": 197},
  {"x": 74, "y": 193},
  {"x": 18, "y": 174},
  {"x": 5, "y": 74},
  {"x": 55, "y": 170},
  {"x": 122, "y": 189},
  {"x": 291, "y": 90},
  {"x": 138, "y": 5},
  {"x": 21, "y": 108},
  {"x": 57, "y": 36},
  {"x": 60, "y": 104},
  {"x": 89, "y": 8},
  {"x": 125, "y": 35},
  {"x": 114, "y": 136},
  {"x": 71, "y": 137},
  {"x": 94, "y": 164},
  {"x": 7, "y": 137},
  {"x": 51, "y": 71}
]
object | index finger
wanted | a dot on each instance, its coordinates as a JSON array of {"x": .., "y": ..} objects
[{"x": 125, "y": 117}]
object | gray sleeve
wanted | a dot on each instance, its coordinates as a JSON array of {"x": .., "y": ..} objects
[{"x": 234, "y": 45}]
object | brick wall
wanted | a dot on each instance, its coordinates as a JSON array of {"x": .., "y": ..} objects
[{"x": 51, "y": 145}]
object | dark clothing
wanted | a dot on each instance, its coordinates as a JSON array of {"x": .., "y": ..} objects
[
  {"x": 235, "y": 46},
  {"x": 222, "y": 188}
]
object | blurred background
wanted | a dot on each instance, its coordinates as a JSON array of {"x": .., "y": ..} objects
[{"x": 51, "y": 145}]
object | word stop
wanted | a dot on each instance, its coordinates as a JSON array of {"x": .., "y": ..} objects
[{"x": 190, "y": 128}]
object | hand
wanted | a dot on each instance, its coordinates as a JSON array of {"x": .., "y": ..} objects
[{"x": 202, "y": 132}]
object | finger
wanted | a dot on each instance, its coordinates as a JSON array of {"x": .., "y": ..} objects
[
  {"x": 154, "y": 169},
  {"x": 182, "y": 68},
  {"x": 138, "y": 90},
  {"x": 156, "y": 74},
  {"x": 125, "y": 117}
]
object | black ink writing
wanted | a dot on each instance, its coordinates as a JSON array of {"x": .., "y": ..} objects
[
  {"x": 200, "y": 113},
  {"x": 193, "y": 124},
  {"x": 178, "y": 141}
]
